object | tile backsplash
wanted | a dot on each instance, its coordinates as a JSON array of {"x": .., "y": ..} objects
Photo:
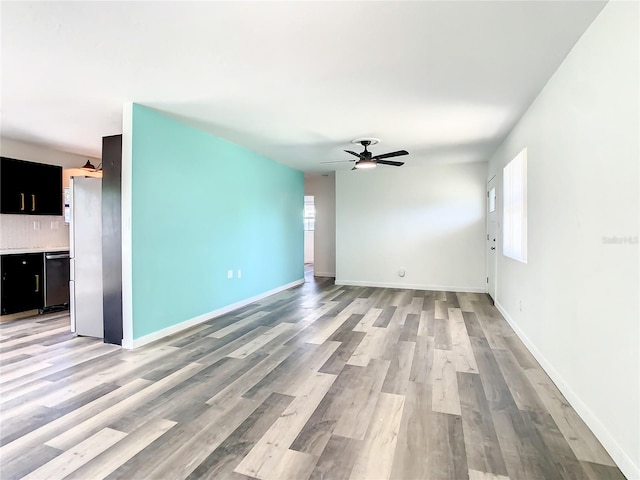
[{"x": 33, "y": 231}]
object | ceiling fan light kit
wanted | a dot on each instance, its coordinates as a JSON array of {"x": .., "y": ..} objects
[{"x": 365, "y": 164}]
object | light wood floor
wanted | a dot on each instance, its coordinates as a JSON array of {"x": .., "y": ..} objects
[{"x": 320, "y": 382}]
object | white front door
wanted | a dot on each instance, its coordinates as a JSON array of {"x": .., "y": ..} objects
[{"x": 492, "y": 233}]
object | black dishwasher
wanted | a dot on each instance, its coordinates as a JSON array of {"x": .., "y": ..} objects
[{"x": 56, "y": 280}]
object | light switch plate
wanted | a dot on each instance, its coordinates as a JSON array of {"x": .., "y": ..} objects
[
  {"x": 229, "y": 273},
  {"x": 239, "y": 273}
]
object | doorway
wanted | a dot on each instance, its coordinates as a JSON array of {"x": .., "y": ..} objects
[
  {"x": 492, "y": 232},
  {"x": 309, "y": 233}
]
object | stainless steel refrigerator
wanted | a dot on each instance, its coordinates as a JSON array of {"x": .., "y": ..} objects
[{"x": 85, "y": 250}]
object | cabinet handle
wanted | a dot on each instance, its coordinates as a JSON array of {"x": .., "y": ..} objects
[
  {"x": 22, "y": 201},
  {"x": 33, "y": 203},
  {"x": 37, "y": 283}
]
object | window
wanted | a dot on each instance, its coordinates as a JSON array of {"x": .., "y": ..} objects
[
  {"x": 514, "y": 242},
  {"x": 309, "y": 213},
  {"x": 492, "y": 200}
]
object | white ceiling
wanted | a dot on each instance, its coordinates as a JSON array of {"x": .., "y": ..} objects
[{"x": 295, "y": 81}]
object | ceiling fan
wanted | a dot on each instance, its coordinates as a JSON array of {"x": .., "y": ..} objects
[{"x": 367, "y": 160}]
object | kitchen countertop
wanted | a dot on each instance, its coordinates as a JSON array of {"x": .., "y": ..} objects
[{"x": 11, "y": 251}]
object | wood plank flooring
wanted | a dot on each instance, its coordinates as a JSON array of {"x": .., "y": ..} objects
[{"x": 317, "y": 382}]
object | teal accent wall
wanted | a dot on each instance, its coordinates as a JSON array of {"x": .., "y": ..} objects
[{"x": 202, "y": 206}]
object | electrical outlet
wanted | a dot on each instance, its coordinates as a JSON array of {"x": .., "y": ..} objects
[
  {"x": 239, "y": 273},
  {"x": 520, "y": 305},
  {"x": 229, "y": 273},
  {"x": 36, "y": 225},
  {"x": 55, "y": 225}
]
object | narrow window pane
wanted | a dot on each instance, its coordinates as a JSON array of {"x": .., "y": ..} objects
[{"x": 514, "y": 219}]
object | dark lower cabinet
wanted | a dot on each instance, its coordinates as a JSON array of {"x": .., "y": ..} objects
[{"x": 22, "y": 282}]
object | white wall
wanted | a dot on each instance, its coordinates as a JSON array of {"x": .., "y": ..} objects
[
  {"x": 36, "y": 153},
  {"x": 17, "y": 231},
  {"x": 324, "y": 190},
  {"x": 580, "y": 295},
  {"x": 426, "y": 220}
]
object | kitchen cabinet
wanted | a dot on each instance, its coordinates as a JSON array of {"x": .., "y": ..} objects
[
  {"x": 30, "y": 188},
  {"x": 22, "y": 282}
]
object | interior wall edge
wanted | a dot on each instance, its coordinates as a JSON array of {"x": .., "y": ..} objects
[{"x": 127, "y": 256}]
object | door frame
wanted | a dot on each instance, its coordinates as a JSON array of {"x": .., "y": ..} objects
[{"x": 492, "y": 233}]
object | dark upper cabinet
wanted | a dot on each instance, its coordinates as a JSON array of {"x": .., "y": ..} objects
[
  {"x": 48, "y": 186},
  {"x": 30, "y": 188},
  {"x": 13, "y": 195},
  {"x": 22, "y": 282}
]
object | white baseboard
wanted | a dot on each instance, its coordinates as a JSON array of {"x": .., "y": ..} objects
[
  {"x": 152, "y": 337},
  {"x": 624, "y": 462},
  {"x": 408, "y": 286},
  {"x": 323, "y": 274}
]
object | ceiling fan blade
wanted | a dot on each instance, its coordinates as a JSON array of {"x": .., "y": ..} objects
[
  {"x": 399, "y": 153},
  {"x": 354, "y": 153},
  {"x": 339, "y": 161},
  {"x": 390, "y": 162}
]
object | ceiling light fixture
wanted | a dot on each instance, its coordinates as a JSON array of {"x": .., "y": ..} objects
[
  {"x": 365, "y": 164},
  {"x": 89, "y": 166}
]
